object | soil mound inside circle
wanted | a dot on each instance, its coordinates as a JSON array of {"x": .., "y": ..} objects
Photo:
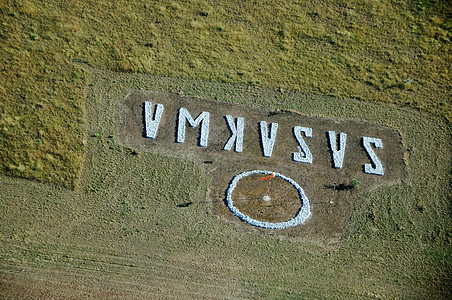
[{"x": 284, "y": 201}]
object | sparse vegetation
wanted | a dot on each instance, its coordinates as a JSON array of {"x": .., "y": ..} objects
[
  {"x": 388, "y": 237},
  {"x": 355, "y": 183}
]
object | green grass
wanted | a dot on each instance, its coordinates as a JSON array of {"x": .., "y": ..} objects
[
  {"x": 372, "y": 50},
  {"x": 355, "y": 183}
]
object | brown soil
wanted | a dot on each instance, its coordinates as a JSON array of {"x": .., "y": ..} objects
[
  {"x": 328, "y": 189},
  {"x": 283, "y": 205}
]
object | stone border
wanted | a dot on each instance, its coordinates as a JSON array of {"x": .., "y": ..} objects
[{"x": 300, "y": 218}]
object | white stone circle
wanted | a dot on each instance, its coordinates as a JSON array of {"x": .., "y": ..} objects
[{"x": 303, "y": 214}]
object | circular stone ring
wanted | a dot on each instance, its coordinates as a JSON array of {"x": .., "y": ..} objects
[{"x": 302, "y": 215}]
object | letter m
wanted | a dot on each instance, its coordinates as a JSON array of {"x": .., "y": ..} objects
[{"x": 203, "y": 118}]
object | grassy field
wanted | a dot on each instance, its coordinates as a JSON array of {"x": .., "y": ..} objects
[
  {"x": 109, "y": 224},
  {"x": 122, "y": 233},
  {"x": 371, "y": 50}
]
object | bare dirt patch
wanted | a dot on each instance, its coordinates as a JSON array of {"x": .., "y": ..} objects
[
  {"x": 329, "y": 189},
  {"x": 282, "y": 204}
]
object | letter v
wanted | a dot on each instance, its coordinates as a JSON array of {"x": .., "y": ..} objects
[
  {"x": 338, "y": 154},
  {"x": 268, "y": 141},
  {"x": 152, "y": 125}
]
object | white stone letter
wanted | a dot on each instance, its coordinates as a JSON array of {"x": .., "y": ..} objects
[
  {"x": 268, "y": 141},
  {"x": 338, "y": 154},
  {"x": 236, "y": 134},
  {"x": 203, "y": 118},
  {"x": 152, "y": 126},
  {"x": 306, "y": 156},
  {"x": 378, "y": 170}
]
